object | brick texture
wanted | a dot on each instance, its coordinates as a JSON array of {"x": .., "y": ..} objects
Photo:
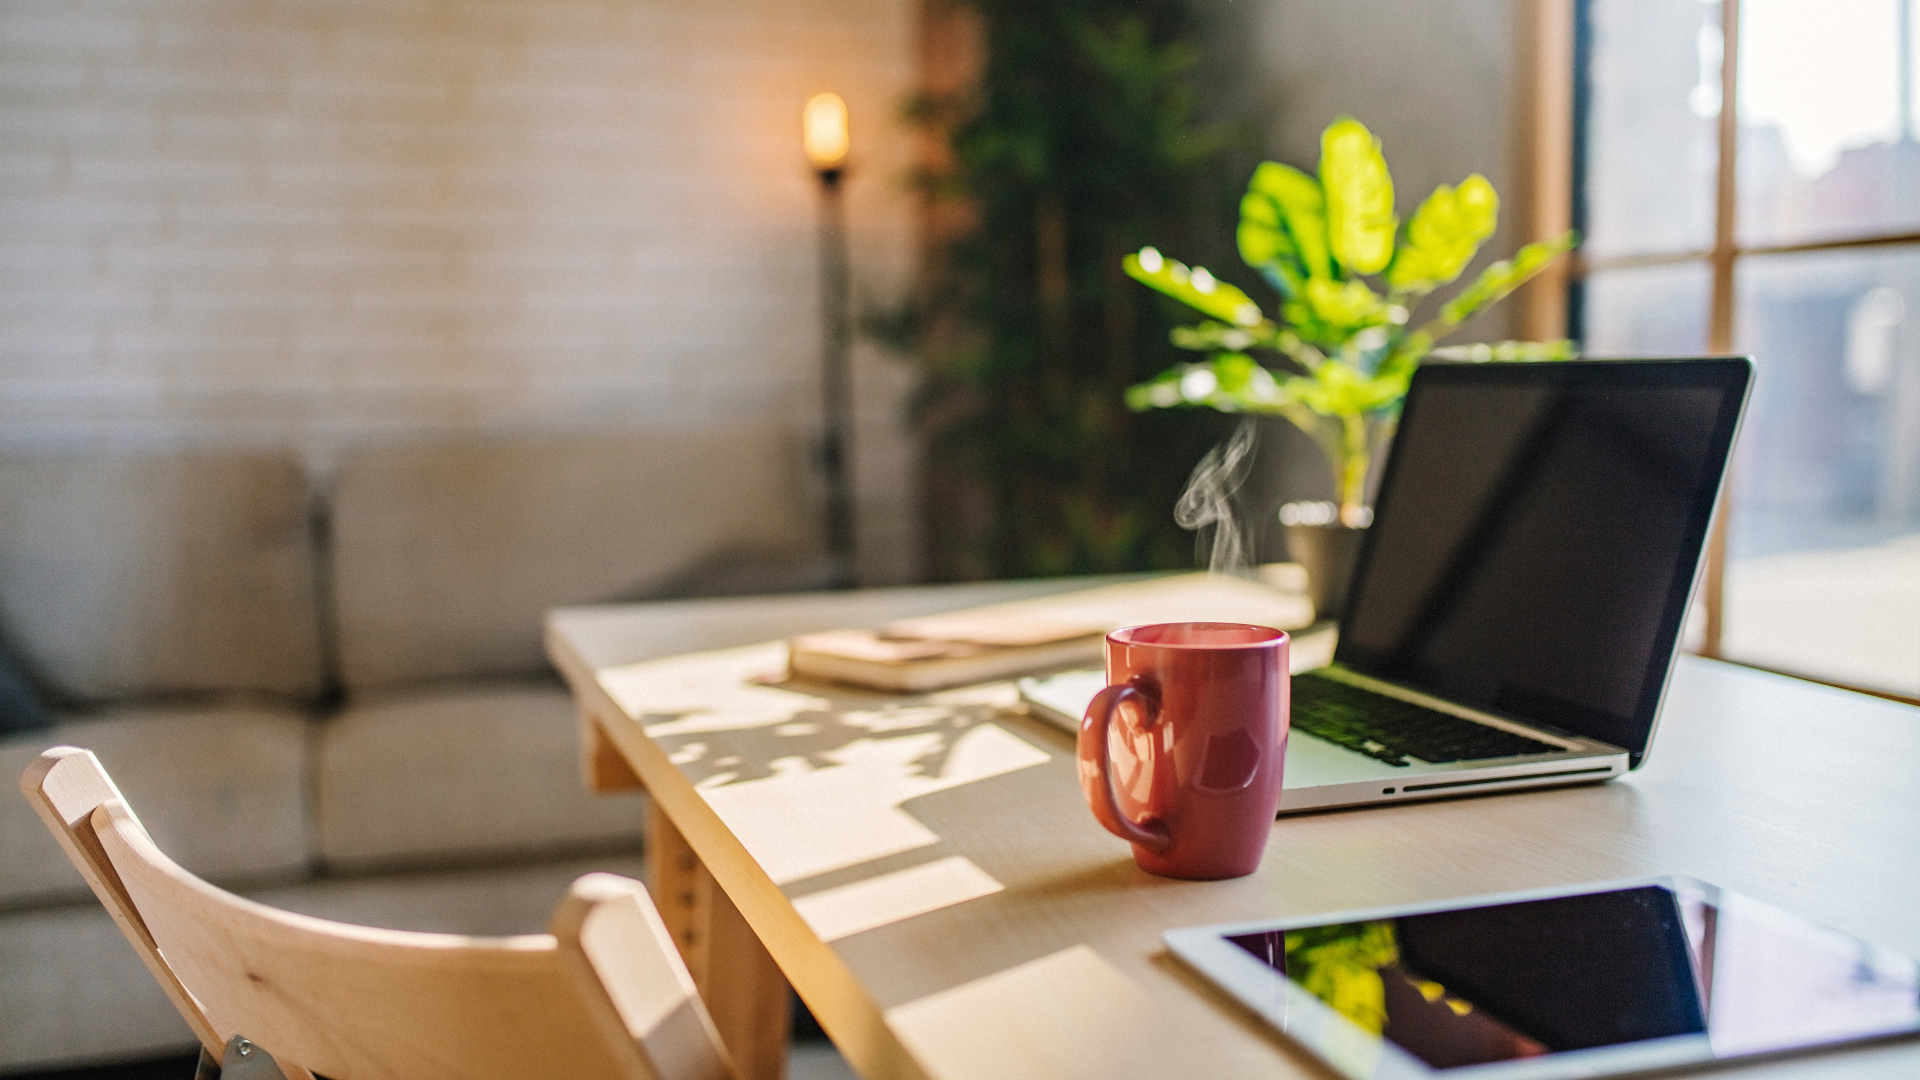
[{"x": 331, "y": 222}]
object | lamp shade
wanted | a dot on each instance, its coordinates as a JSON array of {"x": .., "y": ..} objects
[{"x": 823, "y": 127}]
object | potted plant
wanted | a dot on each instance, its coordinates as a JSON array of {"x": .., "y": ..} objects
[{"x": 1342, "y": 349}]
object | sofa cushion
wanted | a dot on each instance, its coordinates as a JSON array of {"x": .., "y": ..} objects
[
  {"x": 446, "y": 558},
  {"x": 129, "y": 575},
  {"x": 73, "y": 992},
  {"x": 447, "y": 776},
  {"x": 223, "y": 791},
  {"x": 20, "y": 706}
]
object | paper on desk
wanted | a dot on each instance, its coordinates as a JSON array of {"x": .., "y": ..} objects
[
  {"x": 1003, "y": 640},
  {"x": 887, "y": 647},
  {"x": 991, "y": 626}
]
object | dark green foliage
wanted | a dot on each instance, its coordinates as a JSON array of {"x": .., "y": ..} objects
[{"x": 1080, "y": 144}]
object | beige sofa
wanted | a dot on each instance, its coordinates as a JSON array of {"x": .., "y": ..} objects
[{"x": 332, "y": 696}]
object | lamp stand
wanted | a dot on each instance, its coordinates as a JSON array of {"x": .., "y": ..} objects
[{"x": 836, "y": 391}]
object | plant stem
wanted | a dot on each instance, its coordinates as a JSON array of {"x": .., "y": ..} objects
[{"x": 1353, "y": 478}]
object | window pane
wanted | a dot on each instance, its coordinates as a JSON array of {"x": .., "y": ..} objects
[
  {"x": 1827, "y": 144},
  {"x": 1654, "y": 82},
  {"x": 1823, "y": 576},
  {"x": 1651, "y": 311}
]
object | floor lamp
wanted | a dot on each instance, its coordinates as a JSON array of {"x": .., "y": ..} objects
[{"x": 824, "y": 128}]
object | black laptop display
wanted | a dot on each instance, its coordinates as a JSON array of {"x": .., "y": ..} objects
[{"x": 1536, "y": 537}]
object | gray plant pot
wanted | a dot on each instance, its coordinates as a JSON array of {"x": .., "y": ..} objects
[{"x": 1327, "y": 552}]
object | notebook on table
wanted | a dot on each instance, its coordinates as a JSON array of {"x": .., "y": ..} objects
[
  {"x": 1517, "y": 603},
  {"x": 1000, "y": 641}
]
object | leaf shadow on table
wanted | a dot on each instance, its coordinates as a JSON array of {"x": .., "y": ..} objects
[{"x": 813, "y": 737}]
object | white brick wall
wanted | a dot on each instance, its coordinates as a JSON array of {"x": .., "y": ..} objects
[{"x": 328, "y": 222}]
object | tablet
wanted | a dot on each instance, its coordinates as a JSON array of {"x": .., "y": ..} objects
[{"x": 1588, "y": 980}]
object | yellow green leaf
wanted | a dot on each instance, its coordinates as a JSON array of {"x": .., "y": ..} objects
[
  {"x": 1346, "y": 305},
  {"x": 1283, "y": 222},
  {"x": 1444, "y": 234},
  {"x": 1193, "y": 286},
  {"x": 1359, "y": 193},
  {"x": 1503, "y": 277},
  {"x": 1213, "y": 336}
]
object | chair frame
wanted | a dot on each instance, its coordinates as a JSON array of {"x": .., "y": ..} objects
[{"x": 605, "y": 993}]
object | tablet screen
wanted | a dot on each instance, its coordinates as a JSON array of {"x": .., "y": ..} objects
[{"x": 1676, "y": 968}]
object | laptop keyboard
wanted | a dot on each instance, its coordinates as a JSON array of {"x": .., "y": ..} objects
[{"x": 1392, "y": 730}]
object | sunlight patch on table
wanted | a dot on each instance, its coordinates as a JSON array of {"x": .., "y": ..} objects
[
  {"x": 891, "y": 898},
  {"x": 805, "y": 820},
  {"x": 1065, "y": 1016},
  {"x": 709, "y": 684}
]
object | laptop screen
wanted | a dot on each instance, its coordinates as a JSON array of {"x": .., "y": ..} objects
[{"x": 1536, "y": 536}]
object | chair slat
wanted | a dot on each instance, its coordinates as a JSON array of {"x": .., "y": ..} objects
[
  {"x": 65, "y": 785},
  {"x": 639, "y": 990}
]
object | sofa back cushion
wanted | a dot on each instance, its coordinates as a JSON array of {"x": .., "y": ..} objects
[
  {"x": 223, "y": 787},
  {"x": 129, "y": 575},
  {"x": 445, "y": 559}
]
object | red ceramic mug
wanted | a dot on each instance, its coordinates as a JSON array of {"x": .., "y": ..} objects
[{"x": 1182, "y": 753}]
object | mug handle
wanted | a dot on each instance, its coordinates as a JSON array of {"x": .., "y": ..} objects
[{"x": 1096, "y": 768}]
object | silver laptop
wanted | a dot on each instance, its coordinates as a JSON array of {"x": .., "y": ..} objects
[{"x": 1517, "y": 603}]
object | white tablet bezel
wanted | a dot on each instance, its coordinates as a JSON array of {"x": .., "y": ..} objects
[{"x": 1356, "y": 1053}]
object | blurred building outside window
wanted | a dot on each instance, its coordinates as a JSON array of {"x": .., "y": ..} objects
[{"x": 1788, "y": 229}]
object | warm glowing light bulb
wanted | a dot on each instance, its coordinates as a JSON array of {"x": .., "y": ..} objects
[{"x": 824, "y": 127}]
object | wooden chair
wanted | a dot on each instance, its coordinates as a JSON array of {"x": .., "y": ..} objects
[{"x": 604, "y": 995}]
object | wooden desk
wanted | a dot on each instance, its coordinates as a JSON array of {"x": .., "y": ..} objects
[{"x": 925, "y": 873}]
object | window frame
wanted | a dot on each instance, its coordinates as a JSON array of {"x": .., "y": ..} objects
[{"x": 1554, "y": 94}]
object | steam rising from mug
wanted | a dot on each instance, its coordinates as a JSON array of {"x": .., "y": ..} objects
[{"x": 1207, "y": 504}]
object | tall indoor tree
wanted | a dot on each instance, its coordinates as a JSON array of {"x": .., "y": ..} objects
[{"x": 1081, "y": 140}]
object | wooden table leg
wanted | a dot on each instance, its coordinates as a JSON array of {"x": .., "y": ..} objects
[
  {"x": 744, "y": 989},
  {"x": 602, "y": 768}
]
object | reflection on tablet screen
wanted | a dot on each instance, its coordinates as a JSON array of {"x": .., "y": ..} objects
[{"x": 1571, "y": 973}]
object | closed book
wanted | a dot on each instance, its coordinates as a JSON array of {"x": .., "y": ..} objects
[
  {"x": 863, "y": 658},
  {"x": 1005, "y": 640}
]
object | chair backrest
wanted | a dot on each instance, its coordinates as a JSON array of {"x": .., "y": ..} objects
[{"x": 605, "y": 995}]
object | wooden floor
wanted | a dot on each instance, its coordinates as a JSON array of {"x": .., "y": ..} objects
[
  {"x": 173, "y": 1068},
  {"x": 818, "y": 1060}
]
